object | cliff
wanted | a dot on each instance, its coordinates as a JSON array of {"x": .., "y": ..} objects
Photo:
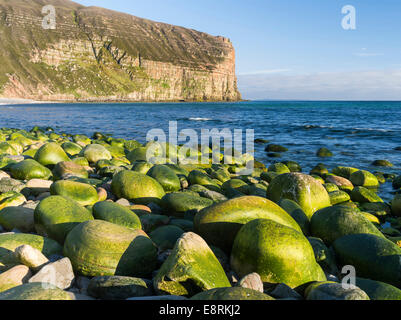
[{"x": 95, "y": 54}]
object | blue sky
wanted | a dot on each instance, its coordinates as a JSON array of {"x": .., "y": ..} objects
[{"x": 295, "y": 49}]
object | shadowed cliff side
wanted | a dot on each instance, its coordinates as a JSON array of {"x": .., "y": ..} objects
[{"x": 96, "y": 54}]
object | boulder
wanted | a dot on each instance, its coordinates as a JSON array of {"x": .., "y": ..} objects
[
  {"x": 30, "y": 257},
  {"x": 166, "y": 177},
  {"x": 95, "y": 152},
  {"x": 377, "y": 290},
  {"x": 165, "y": 237},
  {"x": 295, "y": 211},
  {"x": 178, "y": 203},
  {"x": 82, "y": 193},
  {"x": 117, "y": 214},
  {"x": 252, "y": 281},
  {"x": 363, "y": 178},
  {"x": 342, "y": 183},
  {"x": 50, "y": 154},
  {"x": 30, "y": 169},
  {"x": 17, "y": 218},
  {"x": 35, "y": 291},
  {"x": 64, "y": 170},
  {"x": 11, "y": 199},
  {"x": 14, "y": 277},
  {"x": 337, "y": 197},
  {"x": 363, "y": 195},
  {"x": 333, "y": 291}
]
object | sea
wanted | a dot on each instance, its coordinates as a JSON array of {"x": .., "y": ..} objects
[{"x": 356, "y": 132}]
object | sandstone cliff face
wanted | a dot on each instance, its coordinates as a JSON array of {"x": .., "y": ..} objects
[{"x": 101, "y": 55}]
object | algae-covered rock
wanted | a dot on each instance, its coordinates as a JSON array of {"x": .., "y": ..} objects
[
  {"x": 337, "y": 197},
  {"x": 11, "y": 199},
  {"x": 295, "y": 211},
  {"x": 201, "y": 178},
  {"x": 324, "y": 256},
  {"x": 324, "y": 153},
  {"x": 50, "y": 154},
  {"x": 301, "y": 188},
  {"x": 14, "y": 277},
  {"x": 118, "y": 287},
  {"x": 396, "y": 205},
  {"x": 373, "y": 257},
  {"x": 9, "y": 242},
  {"x": 71, "y": 148},
  {"x": 363, "y": 178},
  {"x": 82, "y": 193},
  {"x": 17, "y": 218},
  {"x": 56, "y": 216},
  {"x": 232, "y": 294},
  {"x": 279, "y": 254},
  {"x": 30, "y": 169},
  {"x": 334, "y": 222},
  {"x": 268, "y": 176},
  {"x": 142, "y": 167},
  {"x": 151, "y": 222},
  {"x": 377, "y": 290},
  {"x": 342, "y": 183},
  {"x": 35, "y": 291},
  {"x": 235, "y": 188},
  {"x": 117, "y": 214},
  {"x": 382, "y": 163},
  {"x": 64, "y": 170},
  {"x": 344, "y": 172},
  {"x": 165, "y": 237},
  {"x": 95, "y": 152},
  {"x": 191, "y": 268},
  {"x": 328, "y": 290},
  {"x": 226, "y": 218},
  {"x": 137, "y": 187},
  {"x": 363, "y": 195},
  {"x": 166, "y": 177},
  {"x": 279, "y": 168},
  {"x": 101, "y": 248}
]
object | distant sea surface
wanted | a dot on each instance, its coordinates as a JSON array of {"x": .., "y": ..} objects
[{"x": 356, "y": 132}]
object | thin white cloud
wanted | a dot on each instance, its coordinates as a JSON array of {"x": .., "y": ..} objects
[
  {"x": 271, "y": 71},
  {"x": 363, "y": 85}
]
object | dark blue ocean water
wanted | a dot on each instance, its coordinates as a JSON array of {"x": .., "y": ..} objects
[{"x": 357, "y": 132}]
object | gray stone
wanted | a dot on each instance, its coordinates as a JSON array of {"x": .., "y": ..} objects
[
  {"x": 59, "y": 273},
  {"x": 282, "y": 291},
  {"x": 252, "y": 281},
  {"x": 334, "y": 291},
  {"x": 124, "y": 202},
  {"x": 82, "y": 284},
  {"x": 43, "y": 196},
  {"x": 8, "y": 184},
  {"x": 4, "y": 175},
  {"x": 38, "y": 186},
  {"x": 30, "y": 257}
]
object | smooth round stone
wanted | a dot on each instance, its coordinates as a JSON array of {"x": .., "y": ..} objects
[
  {"x": 95, "y": 152},
  {"x": 333, "y": 291},
  {"x": 30, "y": 169},
  {"x": 344, "y": 172},
  {"x": 81, "y": 139},
  {"x": 9, "y": 242},
  {"x": 137, "y": 187},
  {"x": 363, "y": 178},
  {"x": 71, "y": 148},
  {"x": 303, "y": 189},
  {"x": 232, "y": 294},
  {"x": 363, "y": 195},
  {"x": 6, "y": 148},
  {"x": 330, "y": 187},
  {"x": 335, "y": 222},
  {"x": 373, "y": 257},
  {"x": 228, "y": 217},
  {"x": 323, "y": 255},
  {"x": 50, "y": 154},
  {"x": 268, "y": 176},
  {"x": 165, "y": 237},
  {"x": 67, "y": 169},
  {"x": 377, "y": 290},
  {"x": 14, "y": 277},
  {"x": 382, "y": 163},
  {"x": 119, "y": 288},
  {"x": 342, "y": 183},
  {"x": 117, "y": 214},
  {"x": 275, "y": 148},
  {"x": 11, "y": 199},
  {"x": 166, "y": 177},
  {"x": 235, "y": 187},
  {"x": 56, "y": 216},
  {"x": 82, "y": 161},
  {"x": 396, "y": 205},
  {"x": 152, "y": 221},
  {"x": 295, "y": 211},
  {"x": 201, "y": 178},
  {"x": 337, "y": 197},
  {"x": 137, "y": 155},
  {"x": 279, "y": 254},
  {"x": 82, "y": 193},
  {"x": 35, "y": 291},
  {"x": 324, "y": 153},
  {"x": 101, "y": 248},
  {"x": 279, "y": 168},
  {"x": 17, "y": 218},
  {"x": 319, "y": 170},
  {"x": 293, "y": 166}
]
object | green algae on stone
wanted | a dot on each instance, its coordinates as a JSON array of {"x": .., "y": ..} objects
[
  {"x": 165, "y": 237},
  {"x": 337, "y": 197},
  {"x": 82, "y": 193},
  {"x": 364, "y": 195},
  {"x": 152, "y": 221},
  {"x": 137, "y": 187},
  {"x": 319, "y": 170},
  {"x": 324, "y": 153},
  {"x": 142, "y": 167},
  {"x": 30, "y": 169},
  {"x": 67, "y": 169},
  {"x": 335, "y": 222},
  {"x": 373, "y": 257},
  {"x": 377, "y": 290},
  {"x": 7, "y": 149},
  {"x": 279, "y": 168},
  {"x": 35, "y": 291},
  {"x": 234, "y": 188},
  {"x": 50, "y": 154},
  {"x": 363, "y": 178},
  {"x": 56, "y": 216},
  {"x": 226, "y": 218},
  {"x": 101, "y": 248},
  {"x": 295, "y": 211},
  {"x": 119, "y": 287},
  {"x": 117, "y": 214},
  {"x": 11, "y": 199},
  {"x": 232, "y": 294},
  {"x": 303, "y": 189},
  {"x": 279, "y": 254},
  {"x": 95, "y": 152},
  {"x": 396, "y": 205},
  {"x": 17, "y": 218},
  {"x": 342, "y": 183},
  {"x": 191, "y": 268},
  {"x": 344, "y": 172},
  {"x": 71, "y": 148},
  {"x": 178, "y": 203},
  {"x": 382, "y": 163},
  {"x": 201, "y": 178},
  {"x": 166, "y": 177},
  {"x": 330, "y": 187},
  {"x": 324, "y": 256}
]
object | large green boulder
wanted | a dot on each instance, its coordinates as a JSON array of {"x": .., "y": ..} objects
[
  {"x": 329, "y": 290},
  {"x": 165, "y": 237},
  {"x": 191, "y": 268},
  {"x": 101, "y": 248},
  {"x": 71, "y": 148},
  {"x": 335, "y": 222},
  {"x": 166, "y": 177},
  {"x": 363, "y": 178},
  {"x": 82, "y": 193},
  {"x": 279, "y": 254},
  {"x": 17, "y": 218},
  {"x": 30, "y": 169},
  {"x": 303, "y": 189},
  {"x": 68, "y": 169},
  {"x": 50, "y": 154},
  {"x": 279, "y": 168},
  {"x": 232, "y": 294},
  {"x": 9, "y": 242},
  {"x": 373, "y": 257},
  {"x": 226, "y": 218},
  {"x": 178, "y": 203},
  {"x": 344, "y": 172},
  {"x": 117, "y": 214},
  {"x": 11, "y": 199},
  {"x": 137, "y": 187},
  {"x": 56, "y": 216},
  {"x": 338, "y": 197},
  {"x": 295, "y": 211},
  {"x": 364, "y": 195},
  {"x": 95, "y": 152},
  {"x": 201, "y": 178},
  {"x": 35, "y": 291},
  {"x": 377, "y": 290}
]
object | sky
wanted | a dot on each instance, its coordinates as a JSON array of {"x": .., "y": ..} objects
[{"x": 295, "y": 49}]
